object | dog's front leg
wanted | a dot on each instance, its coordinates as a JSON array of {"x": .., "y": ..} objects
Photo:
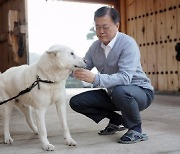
[
  {"x": 40, "y": 117},
  {"x": 61, "y": 109},
  {"x": 6, "y": 113}
]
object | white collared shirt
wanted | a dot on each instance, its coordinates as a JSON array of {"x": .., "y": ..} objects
[{"x": 107, "y": 48}]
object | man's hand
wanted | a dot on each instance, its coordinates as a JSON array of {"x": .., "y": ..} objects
[{"x": 84, "y": 75}]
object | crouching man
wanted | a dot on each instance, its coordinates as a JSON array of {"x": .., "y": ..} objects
[{"x": 123, "y": 84}]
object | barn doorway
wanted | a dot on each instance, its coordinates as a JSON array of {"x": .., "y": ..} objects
[{"x": 60, "y": 22}]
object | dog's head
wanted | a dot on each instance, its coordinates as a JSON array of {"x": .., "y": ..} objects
[{"x": 64, "y": 57}]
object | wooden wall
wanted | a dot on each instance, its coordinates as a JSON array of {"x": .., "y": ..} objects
[
  {"x": 13, "y": 33},
  {"x": 155, "y": 24}
]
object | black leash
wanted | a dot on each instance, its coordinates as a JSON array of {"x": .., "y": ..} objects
[{"x": 28, "y": 89}]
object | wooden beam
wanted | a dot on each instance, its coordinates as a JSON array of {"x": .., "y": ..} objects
[
  {"x": 108, "y": 2},
  {"x": 92, "y": 1}
]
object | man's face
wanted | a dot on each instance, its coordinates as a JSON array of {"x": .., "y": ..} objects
[{"x": 105, "y": 28}]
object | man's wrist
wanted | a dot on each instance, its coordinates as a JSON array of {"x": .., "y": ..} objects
[{"x": 96, "y": 80}]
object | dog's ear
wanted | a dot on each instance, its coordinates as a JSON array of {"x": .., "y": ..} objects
[{"x": 52, "y": 52}]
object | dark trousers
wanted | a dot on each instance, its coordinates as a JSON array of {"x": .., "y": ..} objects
[{"x": 97, "y": 104}]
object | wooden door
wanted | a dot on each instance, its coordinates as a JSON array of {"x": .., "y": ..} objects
[
  {"x": 155, "y": 26},
  {"x": 13, "y": 34}
]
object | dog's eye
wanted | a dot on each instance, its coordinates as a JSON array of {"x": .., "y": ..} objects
[{"x": 72, "y": 53}]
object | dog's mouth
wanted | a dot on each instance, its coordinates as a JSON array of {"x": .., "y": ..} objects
[
  {"x": 81, "y": 65},
  {"x": 76, "y": 66}
]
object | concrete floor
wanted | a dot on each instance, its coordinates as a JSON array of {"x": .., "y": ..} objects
[{"x": 161, "y": 121}]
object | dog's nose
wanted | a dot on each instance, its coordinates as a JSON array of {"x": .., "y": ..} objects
[{"x": 85, "y": 61}]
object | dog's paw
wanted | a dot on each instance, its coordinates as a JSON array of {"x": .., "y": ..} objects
[
  {"x": 8, "y": 140},
  {"x": 48, "y": 147},
  {"x": 71, "y": 142},
  {"x": 35, "y": 131}
]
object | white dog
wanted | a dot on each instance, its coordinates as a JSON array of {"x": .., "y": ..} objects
[{"x": 54, "y": 65}]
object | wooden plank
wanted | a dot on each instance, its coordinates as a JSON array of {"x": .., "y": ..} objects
[
  {"x": 26, "y": 39},
  {"x": 178, "y": 36},
  {"x": 150, "y": 32},
  {"x": 1, "y": 53},
  {"x": 3, "y": 37},
  {"x": 171, "y": 34},
  {"x": 123, "y": 16},
  {"x": 21, "y": 5},
  {"x": 10, "y": 54},
  {"x": 131, "y": 12},
  {"x": 141, "y": 37},
  {"x": 1, "y": 21},
  {"x": 2, "y": 2},
  {"x": 13, "y": 18},
  {"x": 161, "y": 45},
  {"x": 5, "y": 62}
]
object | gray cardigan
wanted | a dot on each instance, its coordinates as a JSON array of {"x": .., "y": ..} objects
[{"x": 121, "y": 67}]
